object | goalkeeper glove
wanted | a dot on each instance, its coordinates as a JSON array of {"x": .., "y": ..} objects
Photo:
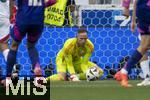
[{"x": 74, "y": 78}]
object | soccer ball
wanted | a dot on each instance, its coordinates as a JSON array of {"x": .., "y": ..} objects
[{"x": 92, "y": 74}]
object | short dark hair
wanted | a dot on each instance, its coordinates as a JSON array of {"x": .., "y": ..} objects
[{"x": 82, "y": 30}]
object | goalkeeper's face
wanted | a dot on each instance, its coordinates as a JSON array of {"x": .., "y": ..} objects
[{"x": 82, "y": 38}]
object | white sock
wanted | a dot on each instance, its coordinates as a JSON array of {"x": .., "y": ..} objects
[
  {"x": 124, "y": 71},
  {"x": 5, "y": 54},
  {"x": 145, "y": 68}
]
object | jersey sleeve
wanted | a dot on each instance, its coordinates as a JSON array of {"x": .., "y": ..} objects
[
  {"x": 70, "y": 67},
  {"x": 67, "y": 50}
]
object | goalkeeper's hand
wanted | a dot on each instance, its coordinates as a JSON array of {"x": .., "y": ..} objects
[{"x": 74, "y": 78}]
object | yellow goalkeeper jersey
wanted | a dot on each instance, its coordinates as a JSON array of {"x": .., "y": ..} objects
[{"x": 72, "y": 54}]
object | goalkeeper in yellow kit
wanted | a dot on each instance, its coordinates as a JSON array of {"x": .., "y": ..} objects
[{"x": 73, "y": 58}]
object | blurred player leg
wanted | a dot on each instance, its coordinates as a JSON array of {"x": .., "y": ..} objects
[
  {"x": 33, "y": 36},
  {"x": 4, "y": 49},
  {"x": 143, "y": 25},
  {"x": 4, "y": 36},
  {"x": 34, "y": 57},
  {"x": 11, "y": 59},
  {"x": 136, "y": 56},
  {"x": 134, "y": 59},
  {"x": 17, "y": 33},
  {"x": 146, "y": 71},
  {"x": 5, "y": 14},
  {"x": 144, "y": 63}
]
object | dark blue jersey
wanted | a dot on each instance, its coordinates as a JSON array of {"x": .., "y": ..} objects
[
  {"x": 30, "y": 11},
  {"x": 143, "y": 11}
]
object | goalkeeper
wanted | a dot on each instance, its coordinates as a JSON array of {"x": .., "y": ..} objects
[{"x": 73, "y": 58}]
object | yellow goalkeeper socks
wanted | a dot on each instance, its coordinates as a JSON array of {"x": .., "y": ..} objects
[{"x": 55, "y": 77}]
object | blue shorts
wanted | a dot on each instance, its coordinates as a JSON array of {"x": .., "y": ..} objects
[
  {"x": 33, "y": 32},
  {"x": 143, "y": 15},
  {"x": 144, "y": 29}
]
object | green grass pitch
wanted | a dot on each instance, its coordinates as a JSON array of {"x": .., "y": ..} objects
[{"x": 97, "y": 90}]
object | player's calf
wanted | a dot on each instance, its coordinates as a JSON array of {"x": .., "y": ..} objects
[{"x": 117, "y": 76}]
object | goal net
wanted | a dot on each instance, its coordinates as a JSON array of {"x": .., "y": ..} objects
[
  {"x": 111, "y": 35},
  {"x": 108, "y": 30}
]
